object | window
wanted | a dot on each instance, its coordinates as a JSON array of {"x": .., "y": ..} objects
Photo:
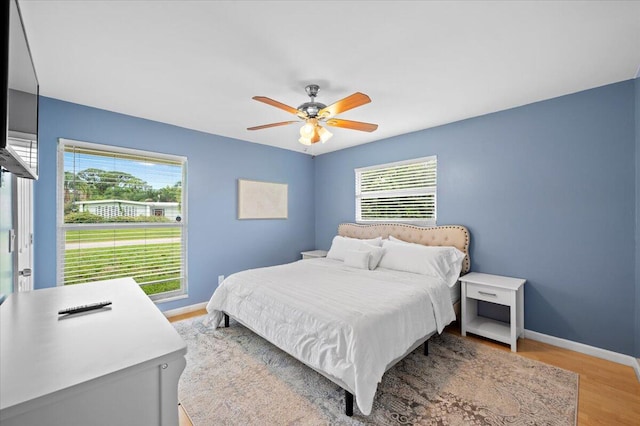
[
  {"x": 109, "y": 224},
  {"x": 397, "y": 192}
]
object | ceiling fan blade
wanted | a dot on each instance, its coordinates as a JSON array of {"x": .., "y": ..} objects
[
  {"x": 266, "y": 126},
  {"x": 348, "y": 124},
  {"x": 276, "y": 104},
  {"x": 350, "y": 102}
]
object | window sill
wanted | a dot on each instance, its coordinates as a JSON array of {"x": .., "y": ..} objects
[
  {"x": 407, "y": 222},
  {"x": 169, "y": 298}
]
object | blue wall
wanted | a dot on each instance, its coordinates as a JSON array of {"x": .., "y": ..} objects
[
  {"x": 548, "y": 193},
  {"x": 218, "y": 243}
]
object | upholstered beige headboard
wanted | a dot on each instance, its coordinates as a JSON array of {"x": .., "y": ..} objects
[{"x": 449, "y": 235}]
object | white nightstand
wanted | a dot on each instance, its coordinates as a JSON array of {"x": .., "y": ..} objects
[
  {"x": 313, "y": 254},
  {"x": 495, "y": 289}
]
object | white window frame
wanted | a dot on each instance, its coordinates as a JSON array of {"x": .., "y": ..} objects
[
  {"x": 63, "y": 227},
  {"x": 425, "y": 190}
]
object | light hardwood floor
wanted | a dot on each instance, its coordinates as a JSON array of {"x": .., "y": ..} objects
[{"x": 609, "y": 393}]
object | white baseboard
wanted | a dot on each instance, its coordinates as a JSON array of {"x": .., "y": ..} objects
[
  {"x": 184, "y": 310},
  {"x": 586, "y": 349}
]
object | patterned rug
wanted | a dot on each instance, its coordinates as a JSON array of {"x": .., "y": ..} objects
[{"x": 234, "y": 377}]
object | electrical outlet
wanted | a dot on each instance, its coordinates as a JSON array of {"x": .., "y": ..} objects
[{"x": 220, "y": 279}]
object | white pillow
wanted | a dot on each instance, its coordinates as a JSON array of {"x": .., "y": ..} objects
[
  {"x": 442, "y": 262},
  {"x": 401, "y": 257},
  {"x": 357, "y": 259},
  {"x": 450, "y": 254},
  {"x": 456, "y": 267},
  {"x": 375, "y": 254},
  {"x": 340, "y": 246}
]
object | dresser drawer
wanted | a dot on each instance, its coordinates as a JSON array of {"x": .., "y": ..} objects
[{"x": 489, "y": 294}]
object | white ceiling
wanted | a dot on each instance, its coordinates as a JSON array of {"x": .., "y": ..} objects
[{"x": 196, "y": 64}]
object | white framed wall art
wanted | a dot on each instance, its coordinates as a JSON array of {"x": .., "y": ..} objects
[{"x": 262, "y": 200}]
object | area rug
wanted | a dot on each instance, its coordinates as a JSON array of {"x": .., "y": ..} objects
[{"x": 234, "y": 377}]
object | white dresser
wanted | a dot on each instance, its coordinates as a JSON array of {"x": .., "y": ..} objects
[{"x": 118, "y": 365}]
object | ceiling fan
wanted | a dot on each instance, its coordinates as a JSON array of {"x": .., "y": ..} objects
[{"x": 313, "y": 113}]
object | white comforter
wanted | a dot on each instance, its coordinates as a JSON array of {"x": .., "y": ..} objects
[{"x": 348, "y": 323}]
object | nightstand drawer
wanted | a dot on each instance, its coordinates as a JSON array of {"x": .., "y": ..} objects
[
  {"x": 489, "y": 294},
  {"x": 313, "y": 254}
]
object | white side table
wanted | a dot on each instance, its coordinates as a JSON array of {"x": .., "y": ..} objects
[
  {"x": 313, "y": 254},
  {"x": 495, "y": 289}
]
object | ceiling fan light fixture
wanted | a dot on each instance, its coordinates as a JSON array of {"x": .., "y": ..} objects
[
  {"x": 308, "y": 129},
  {"x": 304, "y": 141},
  {"x": 324, "y": 134}
]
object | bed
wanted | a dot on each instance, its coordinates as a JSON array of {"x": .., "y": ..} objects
[{"x": 350, "y": 323}]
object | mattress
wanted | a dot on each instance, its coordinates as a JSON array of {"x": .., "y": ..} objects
[{"x": 347, "y": 323}]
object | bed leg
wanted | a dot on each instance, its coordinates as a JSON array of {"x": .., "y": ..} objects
[
  {"x": 348, "y": 403},
  {"x": 426, "y": 348},
  {"x": 226, "y": 320}
]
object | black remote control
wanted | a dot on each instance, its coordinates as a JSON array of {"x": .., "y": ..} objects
[{"x": 84, "y": 308}]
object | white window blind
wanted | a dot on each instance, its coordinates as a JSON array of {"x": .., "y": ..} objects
[
  {"x": 121, "y": 213},
  {"x": 397, "y": 192},
  {"x": 26, "y": 148}
]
